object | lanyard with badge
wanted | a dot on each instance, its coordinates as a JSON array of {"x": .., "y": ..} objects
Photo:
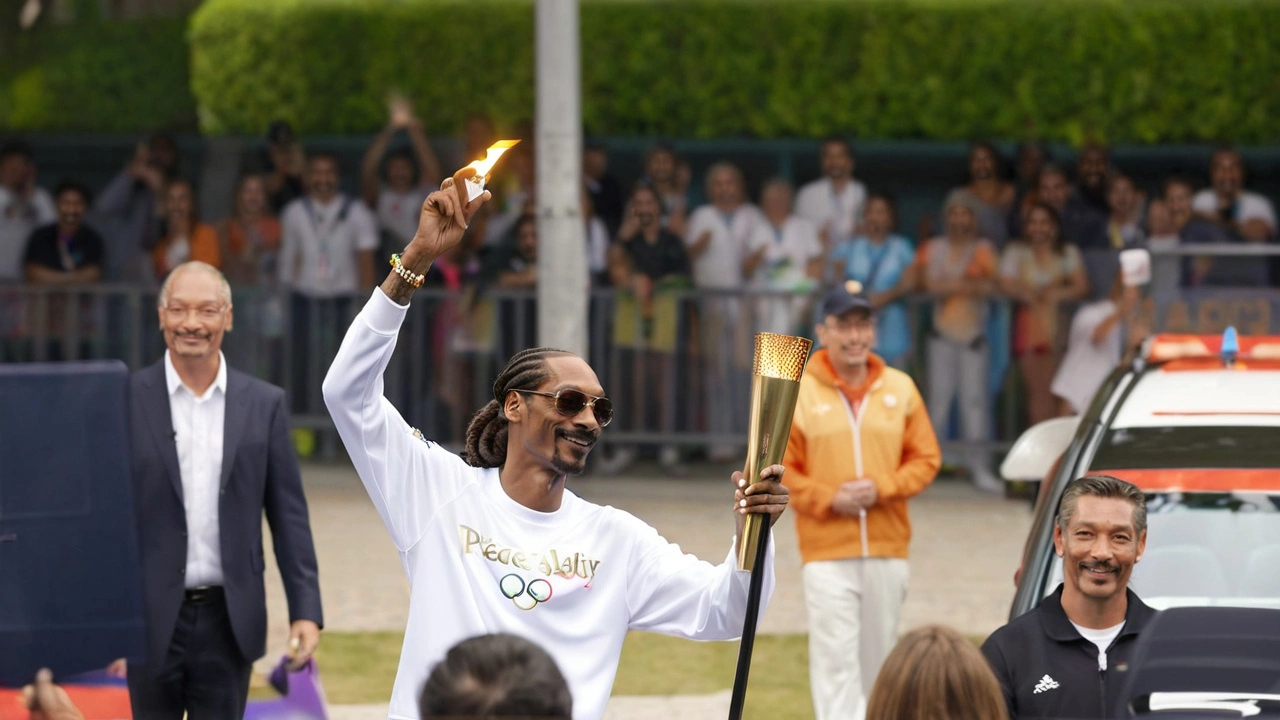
[
  {"x": 838, "y": 209},
  {"x": 325, "y": 238},
  {"x": 65, "y": 255},
  {"x": 781, "y": 261}
]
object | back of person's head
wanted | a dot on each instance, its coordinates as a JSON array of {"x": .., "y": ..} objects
[
  {"x": 496, "y": 676},
  {"x": 935, "y": 673}
]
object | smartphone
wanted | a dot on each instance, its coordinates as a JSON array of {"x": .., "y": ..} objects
[{"x": 1135, "y": 267}]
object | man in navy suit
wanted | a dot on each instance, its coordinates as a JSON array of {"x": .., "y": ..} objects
[{"x": 211, "y": 454}]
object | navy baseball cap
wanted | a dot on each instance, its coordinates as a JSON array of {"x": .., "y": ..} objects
[{"x": 844, "y": 298}]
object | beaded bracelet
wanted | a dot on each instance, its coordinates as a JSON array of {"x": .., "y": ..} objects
[{"x": 408, "y": 275}]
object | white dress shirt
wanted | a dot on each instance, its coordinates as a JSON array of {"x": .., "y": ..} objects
[
  {"x": 819, "y": 203},
  {"x": 198, "y": 428},
  {"x": 320, "y": 247},
  {"x": 720, "y": 264},
  {"x": 1249, "y": 206},
  {"x": 18, "y": 217}
]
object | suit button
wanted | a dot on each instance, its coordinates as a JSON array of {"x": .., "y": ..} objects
[{"x": 183, "y": 572}]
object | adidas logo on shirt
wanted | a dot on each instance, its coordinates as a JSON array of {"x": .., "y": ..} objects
[{"x": 1046, "y": 683}]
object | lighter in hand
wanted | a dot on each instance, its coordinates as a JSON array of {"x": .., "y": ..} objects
[{"x": 476, "y": 183}]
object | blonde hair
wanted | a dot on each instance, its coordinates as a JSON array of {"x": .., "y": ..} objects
[{"x": 934, "y": 673}]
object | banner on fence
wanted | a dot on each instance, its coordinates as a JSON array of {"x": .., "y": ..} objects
[{"x": 1209, "y": 311}]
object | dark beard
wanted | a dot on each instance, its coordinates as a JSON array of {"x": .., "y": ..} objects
[{"x": 568, "y": 465}]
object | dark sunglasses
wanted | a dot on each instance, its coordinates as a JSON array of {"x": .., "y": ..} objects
[{"x": 571, "y": 402}]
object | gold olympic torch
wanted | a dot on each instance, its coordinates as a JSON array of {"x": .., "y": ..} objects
[{"x": 775, "y": 384}]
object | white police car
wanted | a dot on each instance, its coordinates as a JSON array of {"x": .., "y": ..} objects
[{"x": 1195, "y": 422}]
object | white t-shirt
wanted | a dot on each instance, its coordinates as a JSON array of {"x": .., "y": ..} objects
[
  {"x": 320, "y": 246},
  {"x": 17, "y": 219},
  {"x": 1250, "y": 206},
  {"x": 720, "y": 265},
  {"x": 574, "y": 580},
  {"x": 819, "y": 203},
  {"x": 788, "y": 252},
  {"x": 399, "y": 212},
  {"x": 1101, "y": 638},
  {"x": 1086, "y": 365}
]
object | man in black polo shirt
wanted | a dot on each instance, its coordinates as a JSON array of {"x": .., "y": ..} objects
[
  {"x": 1066, "y": 658},
  {"x": 65, "y": 252}
]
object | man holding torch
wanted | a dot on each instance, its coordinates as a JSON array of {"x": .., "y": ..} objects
[{"x": 492, "y": 541}]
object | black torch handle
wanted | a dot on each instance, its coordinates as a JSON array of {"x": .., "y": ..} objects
[{"x": 754, "y": 591}]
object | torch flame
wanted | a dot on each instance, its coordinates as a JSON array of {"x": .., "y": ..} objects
[{"x": 491, "y": 156}]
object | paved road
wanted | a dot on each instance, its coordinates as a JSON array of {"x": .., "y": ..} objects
[{"x": 963, "y": 554}]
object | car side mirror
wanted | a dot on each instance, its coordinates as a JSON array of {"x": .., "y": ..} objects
[{"x": 1036, "y": 450}]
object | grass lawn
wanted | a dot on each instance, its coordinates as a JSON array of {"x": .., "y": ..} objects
[{"x": 359, "y": 668}]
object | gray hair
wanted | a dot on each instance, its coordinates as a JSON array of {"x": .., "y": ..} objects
[
  {"x": 224, "y": 291},
  {"x": 725, "y": 165},
  {"x": 1103, "y": 486}
]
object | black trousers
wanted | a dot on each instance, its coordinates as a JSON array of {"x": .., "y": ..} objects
[{"x": 204, "y": 674}]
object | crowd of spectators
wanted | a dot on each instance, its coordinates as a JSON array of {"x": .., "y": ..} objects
[{"x": 1042, "y": 240}]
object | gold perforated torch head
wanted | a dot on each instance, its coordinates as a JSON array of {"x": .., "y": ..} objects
[{"x": 776, "y": 368}]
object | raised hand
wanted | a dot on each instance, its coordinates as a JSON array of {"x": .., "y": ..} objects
[
  {"x": 445, "y": 217},
  {"x": 442, "y": 223}
]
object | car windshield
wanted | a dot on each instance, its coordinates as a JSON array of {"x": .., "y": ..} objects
[
  {"x": 1206, "y": 548},
  {"x": 1188, "y": 447}
]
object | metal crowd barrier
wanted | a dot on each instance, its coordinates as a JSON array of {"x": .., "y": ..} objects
[{"x": 678, "y": 370}]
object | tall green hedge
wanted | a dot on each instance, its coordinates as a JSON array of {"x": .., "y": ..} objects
[
  {"x": 1117, "y": 70},
  {"x": 99, "y": 76}
]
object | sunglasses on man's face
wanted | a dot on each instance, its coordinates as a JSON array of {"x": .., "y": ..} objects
[{"x": 571, "y": 402}]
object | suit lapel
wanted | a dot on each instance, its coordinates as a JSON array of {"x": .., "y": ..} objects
[
  {"x": 161, "y": 422},
  {"x": 235, "y": 417}
]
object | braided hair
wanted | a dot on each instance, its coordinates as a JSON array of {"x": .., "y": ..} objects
[{"x": 486, "y": 442}]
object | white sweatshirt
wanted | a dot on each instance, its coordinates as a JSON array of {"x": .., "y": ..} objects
[{"x": 573, "y": 581}]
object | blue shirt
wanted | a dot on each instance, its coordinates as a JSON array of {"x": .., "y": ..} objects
[{"x": 879, "y": 267}]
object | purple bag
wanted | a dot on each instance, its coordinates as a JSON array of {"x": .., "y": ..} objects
[{"x": 301, "y": 695}]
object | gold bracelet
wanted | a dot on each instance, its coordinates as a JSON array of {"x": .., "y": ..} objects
[{"x": 408, "y": 275}]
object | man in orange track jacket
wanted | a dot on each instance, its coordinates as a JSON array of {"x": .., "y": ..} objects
[{"x": 861, "y": 445}]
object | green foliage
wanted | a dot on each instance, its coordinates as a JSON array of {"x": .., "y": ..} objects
[
  {"x": 1066, "y": 70},
  {"x": 104, "y": 76},
  {"x": 328, "y": 65},
  {"x": 1140, "y": 71}
]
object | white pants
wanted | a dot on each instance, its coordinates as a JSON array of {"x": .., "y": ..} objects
[{"x": 854, "y": 606}]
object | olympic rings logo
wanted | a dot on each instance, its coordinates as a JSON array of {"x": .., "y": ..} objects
[{"x": 525, "y": 596}]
